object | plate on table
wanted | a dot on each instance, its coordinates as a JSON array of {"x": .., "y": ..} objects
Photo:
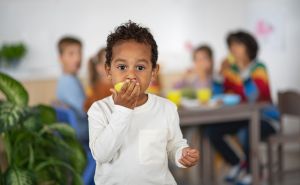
[{"x": 193, "y": 104}]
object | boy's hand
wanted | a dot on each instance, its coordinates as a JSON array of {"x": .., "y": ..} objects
[
  {"x": 189, "y": 157},
  {"x": 128, "y": 95}
]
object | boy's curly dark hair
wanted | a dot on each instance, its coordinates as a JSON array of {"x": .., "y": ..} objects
[
  {"x": 246, "y": 39},
  {"x": 131, "y": 31}
]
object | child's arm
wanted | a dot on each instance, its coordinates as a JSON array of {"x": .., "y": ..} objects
[
  {"x": 106, "y": 136},
  {"x": 176, "y": 144},
  {"x": 259, "y": 77}
]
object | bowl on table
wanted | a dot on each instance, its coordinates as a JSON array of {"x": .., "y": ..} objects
[{"x": 227, "y": 99}]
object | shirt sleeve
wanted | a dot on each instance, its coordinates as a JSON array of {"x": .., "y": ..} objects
[
  {"x": 260, "y": 78},
  {"x": 107, "y": 133},
  {"x": 256, "y": 83},
  {"x": 175, "y": 141}
]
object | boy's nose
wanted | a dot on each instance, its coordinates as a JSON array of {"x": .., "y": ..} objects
[{"x": 131, "y": 75}]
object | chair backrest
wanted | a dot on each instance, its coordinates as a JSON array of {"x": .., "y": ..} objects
[
  {"x": 289, "y": 103},
  {"x": 66, "y": 115}
]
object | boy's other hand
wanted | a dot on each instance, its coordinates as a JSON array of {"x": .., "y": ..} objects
[
  {"x": 189, "y": 157},
  {"x": 128, "y": 95}
]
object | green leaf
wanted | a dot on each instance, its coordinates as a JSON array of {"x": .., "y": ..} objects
[
  {"x": 7, "y": 146},
  {"x": 11, "y": 115},
  {"x": 45, "y": 114},
  {"x": 76, "y": 177},
  {"x": 17, "y": 176},
  {"x": 31, "y": 157},
  {"x": 32, "y": 123},
  {"x": 63, "y": 129},
  {"x": 22, "y": 142},
  {"x": 78, "y": 158},
  {"x": 13, "y": 90}
]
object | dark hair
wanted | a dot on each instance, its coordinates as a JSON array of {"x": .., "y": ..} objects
[
  {"x": 66, "y": 41},
  {"x": 93, "y": 62},
  {"x": 131, "y": 31},
  {"x": 245, "y": 38},
  {"x": 204, "y": 48}
]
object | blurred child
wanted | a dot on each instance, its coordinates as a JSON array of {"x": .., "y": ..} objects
[
  {"x": 200, "y": 76},
  {"x": 69, "y": 89},
  {"x": 247, "y": 77},
  {"x": 132, "y": 133},
  {"x": 99, "y": 83}
]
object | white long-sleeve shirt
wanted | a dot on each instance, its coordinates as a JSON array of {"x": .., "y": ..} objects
[{"x": 131, "y": 147}]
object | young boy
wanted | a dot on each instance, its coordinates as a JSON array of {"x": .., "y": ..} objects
[
  {"x": 69, "y": 89},
  {"x": 132, "y": 133}
]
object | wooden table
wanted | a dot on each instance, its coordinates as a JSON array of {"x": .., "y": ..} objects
[{"x": 201, "y": 117}]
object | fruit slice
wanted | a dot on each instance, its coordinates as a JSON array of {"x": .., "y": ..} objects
[{"x": 118, "y": 86}]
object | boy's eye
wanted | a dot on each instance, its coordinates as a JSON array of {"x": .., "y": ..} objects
[
  {"x": 140, "y": 68},
  {"x": 121, "y": 67}
]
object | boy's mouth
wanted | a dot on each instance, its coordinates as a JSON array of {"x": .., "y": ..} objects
[{"x": 118, "y": 86}]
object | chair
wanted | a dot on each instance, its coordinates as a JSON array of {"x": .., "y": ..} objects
[
  {"x": 289, "y": 105},
  {"x": 66, "y": 115}
]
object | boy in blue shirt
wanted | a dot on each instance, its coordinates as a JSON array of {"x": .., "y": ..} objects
[{"x": 69, "y": 89}]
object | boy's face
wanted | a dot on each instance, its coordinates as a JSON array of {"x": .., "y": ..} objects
[
  {"x": 71, "y": 58},
  {"x": 239, "y": 51},
  {"x": 132, "y": 60},
  {"x": 203, "y": 62}
]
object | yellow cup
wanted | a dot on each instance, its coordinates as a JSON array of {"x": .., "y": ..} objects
[
  {"x": 204, "y": 95},
  {"x": 174, "y": 96}
]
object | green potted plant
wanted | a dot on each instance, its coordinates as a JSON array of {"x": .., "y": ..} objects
[
  {"x": 37, "y": 150},
  {"x": 11, "y": 54}
]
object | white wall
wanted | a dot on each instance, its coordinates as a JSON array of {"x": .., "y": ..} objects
[{"x": 173, "y": 22}]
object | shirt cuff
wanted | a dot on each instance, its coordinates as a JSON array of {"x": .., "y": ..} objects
[{"x": 178, "y": 156}]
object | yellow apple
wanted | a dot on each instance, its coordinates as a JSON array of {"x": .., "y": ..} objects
[{"x": 118, "y": 86}]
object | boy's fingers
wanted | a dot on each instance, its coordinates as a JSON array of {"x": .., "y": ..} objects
[
  {"x": 181, "y": 162},
  {"x": 124, "y": 87},
  {"x": 129, "y": 89},
  {"x": 184, "y": 151},
  {"x": 135, "y": 92},
  {"x": 193, "y": 153},
  {"x": 190, "y": 159},
  {"x": 186, "y": 162}
]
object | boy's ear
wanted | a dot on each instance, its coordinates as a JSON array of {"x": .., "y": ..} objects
[
  {"x": 155, "y": 72},
  {"x": 107, "y": 70}
]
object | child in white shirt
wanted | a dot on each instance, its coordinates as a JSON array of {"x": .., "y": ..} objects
[{"x": 132, "y": 134}]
